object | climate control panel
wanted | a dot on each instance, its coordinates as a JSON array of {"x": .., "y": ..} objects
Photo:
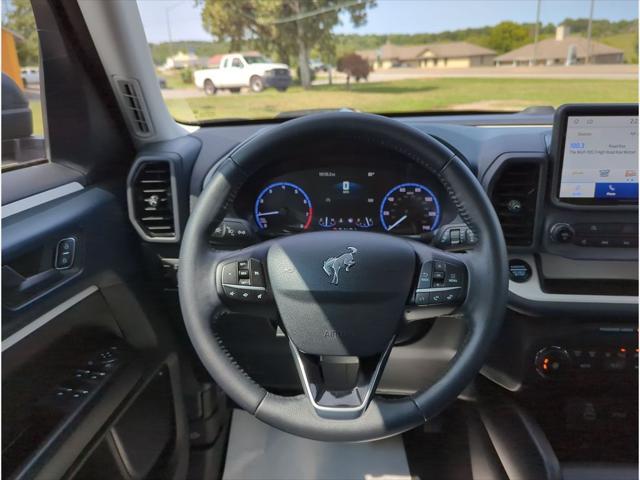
[
  {"x": 576, "y": 361},
  {"x": 622, "y": 235}
]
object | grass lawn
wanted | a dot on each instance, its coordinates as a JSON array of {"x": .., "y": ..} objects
[
  {"x": 175, "y": 80},
  {"x": 400, "y": 96},
  {"x": 627, "y": 42},
  {"x": 409, "y": 96}
]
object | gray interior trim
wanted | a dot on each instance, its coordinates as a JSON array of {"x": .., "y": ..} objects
[
  {"x": 118, "y": 35},
  {"x": 25, "y": 182},
  {"x": 336, "y": 413},
  {"x": 555, "y": 266},
  {"x": 531, "y": 290},
  {"x": 46, "y": 318},
  {"x": 40, "y": 198},
  {"x": 257, "y": 451}
]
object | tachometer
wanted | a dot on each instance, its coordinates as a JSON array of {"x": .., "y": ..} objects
[
  {"x": 284, "y": 208},
  {"x": 409, "y": 209}
]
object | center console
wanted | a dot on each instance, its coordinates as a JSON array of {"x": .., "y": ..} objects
[
  {"x": 585, "y": 261},
  {"x": 568, "y": 352},
  {"x": 594, "y": 149}
]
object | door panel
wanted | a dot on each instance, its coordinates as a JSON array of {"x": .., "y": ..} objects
[{"x": 84, "y": 349}]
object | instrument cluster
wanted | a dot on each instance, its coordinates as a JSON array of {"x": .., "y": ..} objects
[{"x": 394, "y": 197}]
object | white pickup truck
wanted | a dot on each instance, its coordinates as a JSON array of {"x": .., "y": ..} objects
[{"x": 237, "y": 70}]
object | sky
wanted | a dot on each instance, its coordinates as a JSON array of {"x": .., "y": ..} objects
[{"x": 401, "y": 16}]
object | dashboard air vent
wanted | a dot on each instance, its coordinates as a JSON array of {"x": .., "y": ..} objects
[
  {"x": 135, "y": 108},
  {"x": 514, "y": 197},
  {"x": 152, "y": 200}
]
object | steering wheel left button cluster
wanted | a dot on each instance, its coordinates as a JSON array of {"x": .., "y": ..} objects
[{"x": 243, "y": 281}]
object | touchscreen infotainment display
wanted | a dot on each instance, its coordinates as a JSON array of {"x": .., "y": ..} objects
[{"x": 600, "y": 159}]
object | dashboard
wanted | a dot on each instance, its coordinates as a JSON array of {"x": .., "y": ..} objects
[
  {"x": 563, "y": 184},
  {"x": 571, "y": 324},
  {"x": 379, "y": 193},
  {"x": 571, "y": 254}
]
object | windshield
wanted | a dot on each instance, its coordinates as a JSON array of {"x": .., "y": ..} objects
[
  {"x": 389, "y": 56},
  {"x": 256, "y": 59}
]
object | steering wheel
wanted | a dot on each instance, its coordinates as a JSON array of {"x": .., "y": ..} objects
[{"x": 342, "y": 296}]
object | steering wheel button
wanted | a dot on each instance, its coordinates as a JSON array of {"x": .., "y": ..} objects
[
  {"x": 244, "y": 281},
  {"x": 424, "y": 281},
  {"x": 422, "y": 299},
  {"x": 439, "y": 266},
  {"x": 243, "y": 273},
  {"x": 231, "y": 292},
  {"x": 438, "y": 276},
  {"x": 230, "y": 274},
  {"x": 436, "y": 297},
  {"x": 256, "y": 273},
  {"x": 454, "y": 277},
  {"x": 451, "y": 297}
]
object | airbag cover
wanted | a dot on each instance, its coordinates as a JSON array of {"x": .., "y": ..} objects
[{"x": 341, "y": 293}]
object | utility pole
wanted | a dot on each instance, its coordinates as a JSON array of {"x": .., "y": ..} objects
[
  {"x": 166, "y": 12},
  {"x": 588, "y": 59},
  {"x": 536, "y": 34}
]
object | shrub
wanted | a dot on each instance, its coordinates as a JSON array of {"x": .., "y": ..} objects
[
  {"x": 186, "y": 75},
  {"x": 354, "y": 66}
]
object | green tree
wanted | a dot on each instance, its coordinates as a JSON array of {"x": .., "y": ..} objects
[
  {"x": 18, "y": 17},
  {"x": 507, "y": 36},
  {"x": 284, "y": 28}
]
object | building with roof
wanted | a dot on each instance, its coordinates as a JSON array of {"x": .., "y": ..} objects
[
  {"x": 564, "y": 49},
  {"x": 435, "y": 55},
  {"x": 183, "y": 60},
  {"x": 214, "y": 60}
]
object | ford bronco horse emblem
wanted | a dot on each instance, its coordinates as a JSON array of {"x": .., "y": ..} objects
[{"x": 333, "y": 265}]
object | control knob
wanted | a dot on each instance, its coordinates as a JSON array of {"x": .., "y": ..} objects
[
  {"x": 552, "y": 362},
  {"x": 561, "y": 233}
]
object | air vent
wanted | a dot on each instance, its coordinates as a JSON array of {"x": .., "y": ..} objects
[
  {"x": 151, "y": 200},
  {"x": 135, "y": 108},
  {"x": 514, "y": 198}
]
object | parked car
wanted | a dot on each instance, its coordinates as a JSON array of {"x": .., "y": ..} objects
[
  {"x": 239, "y": 70},
  {"x": 30, "y": 76},
  {"x": 318, "y": 66}
]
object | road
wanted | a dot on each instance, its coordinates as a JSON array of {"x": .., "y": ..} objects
[{"x": 607, "y": 72}]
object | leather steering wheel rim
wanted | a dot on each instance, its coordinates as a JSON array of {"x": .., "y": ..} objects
[{"x": 483, "y": 310}]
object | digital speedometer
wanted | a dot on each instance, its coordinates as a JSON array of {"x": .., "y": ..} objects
[
  {"x": 409, "y": 209},
  {"x": 283, "y": 207}
]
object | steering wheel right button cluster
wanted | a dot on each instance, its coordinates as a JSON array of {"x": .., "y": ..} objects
[{"x": 441, "y": 282}]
